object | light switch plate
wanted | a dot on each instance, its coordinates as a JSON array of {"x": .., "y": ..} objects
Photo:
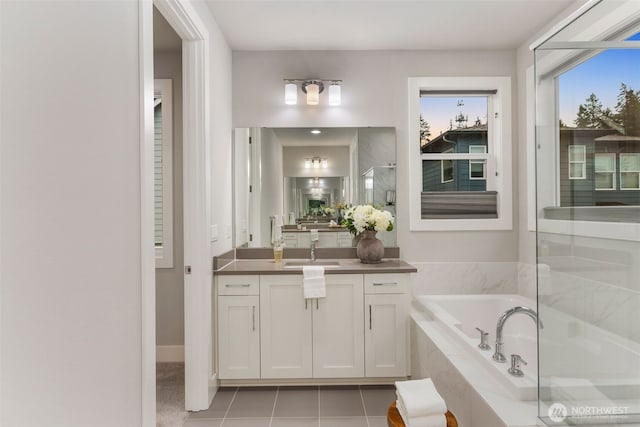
[{"x": 214, "y": 233}]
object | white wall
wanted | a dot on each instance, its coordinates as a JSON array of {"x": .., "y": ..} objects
[
  {"x": 170, "y": 281},
  {"x": 527, "y": 238},
  {"x": 374, "y": 93},
  {"x": 220, "y": 133},
  {"x": 70, "y": 302},
  {"x": 70, "y": 249}
]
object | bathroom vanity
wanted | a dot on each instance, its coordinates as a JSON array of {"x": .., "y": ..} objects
[{"x": 269, "y": 334}]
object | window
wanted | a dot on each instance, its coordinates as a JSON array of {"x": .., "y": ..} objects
[
  {"x": 630, "y": 171},
  {"x": 460, "y": 163},
  {"x": 577, "y": 162},
  {"x": 163, "y": 173},
  {"x": 605, "y": 171},
  {"x": 446, "y": 169},
  {"x": 477, "y": 168}
]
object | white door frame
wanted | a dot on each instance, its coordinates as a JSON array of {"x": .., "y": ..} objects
[{"x": 200, "y": 379}]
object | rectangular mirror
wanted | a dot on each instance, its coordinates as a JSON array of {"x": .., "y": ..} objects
[{"x": 288, "y": 181}]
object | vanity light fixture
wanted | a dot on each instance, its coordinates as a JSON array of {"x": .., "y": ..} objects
[
  {"x": 312, "y": 88},
  {"x": 316, "y": 163}
]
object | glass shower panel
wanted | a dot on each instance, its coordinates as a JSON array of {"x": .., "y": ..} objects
[{"x": 588, "y": 227}]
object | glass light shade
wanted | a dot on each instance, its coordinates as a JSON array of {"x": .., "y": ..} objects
[
  {"x": 316, "y": 164},
  {"x": 313, "y": 94},
  {"x": 334, "y": 94},
  {"x": 291, "y": 94},
  {"x": 307, "y": 163},
  {"x": 325, "y": 163}
]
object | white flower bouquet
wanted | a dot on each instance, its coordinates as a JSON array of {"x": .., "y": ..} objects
[{"x": 365, "y": 217}]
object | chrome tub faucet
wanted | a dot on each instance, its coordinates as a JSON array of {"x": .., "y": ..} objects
[{"x": 498, "y": 356}]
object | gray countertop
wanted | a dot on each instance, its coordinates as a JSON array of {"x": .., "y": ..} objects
[
  {"x": 320, "y": 230},
  {"x": 347, "y": 266}
]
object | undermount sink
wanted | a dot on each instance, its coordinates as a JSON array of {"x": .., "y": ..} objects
[{"x": 300, "y": 264}]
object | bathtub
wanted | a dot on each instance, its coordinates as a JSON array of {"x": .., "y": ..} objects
[
  {"x": 459, "y": 315},
  {"x": 573, "y": 350}
]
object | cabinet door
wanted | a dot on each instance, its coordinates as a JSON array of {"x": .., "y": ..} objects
[
  {"x": 304, "y": 240},
  {"x": 338, "y": 330},
  {"x": 327, "y": 239},
  {"x": 285, "y": 328},
  {"x": 239, "y": 337},
  {"x": 386, "y": 335}
]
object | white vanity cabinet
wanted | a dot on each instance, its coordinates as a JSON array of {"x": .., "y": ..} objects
[
  {"x": 285, "y": 324},
  {"x": 338, "y": 333},
  {"x": 268, "y": 331},
  {"x": 238, "y": 327},
  {"x": 386, "y": 303},
  {"x": 326, "y": 239},
  {"x": 314, "y": 338}
]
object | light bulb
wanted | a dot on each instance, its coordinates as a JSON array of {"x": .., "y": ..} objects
[
  {"x": 307, "y": 163},
  {"x": 313, "y": 94},
  {"x": 325, "y": 163}
]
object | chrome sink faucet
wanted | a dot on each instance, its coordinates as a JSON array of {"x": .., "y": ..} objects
[
  {"x": 498, "y": 356},
  {"x": 313, "y": 250}
]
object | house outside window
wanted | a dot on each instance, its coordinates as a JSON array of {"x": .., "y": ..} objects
[
  {"x": 605, "y": 171},
  {"x": 446, "y": 169},
  {"x": 477, "y": 168},
  {"x": 577, "y": 162},
  {"x": 461, "y": 177},
  {"x": 630, "y": 171}
]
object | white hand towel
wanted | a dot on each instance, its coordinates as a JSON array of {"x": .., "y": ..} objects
[
  {"x": 420, "y": 398},
  {"x": 313, "y": 283},
  {"x": 426, "y": 421},
  {"x": 313, "y": 234}
]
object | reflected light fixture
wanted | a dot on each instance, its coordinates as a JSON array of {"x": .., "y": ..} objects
[
  {"x": 312, "y": 88},
  {"x": 316, "y": 163},
  {"x": 316, "y": 132}
]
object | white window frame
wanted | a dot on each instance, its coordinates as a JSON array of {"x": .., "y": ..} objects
[
  {"x": 478, "y": 162},
  {"x": 453, "y": 172},
  {"x": 499, "y": 146},
  {"x": 634, "y": 171},
  {"x": 612, "y": 172},
  {"x": 164, "y": 253},
  {"x": 583, "y": 162}
]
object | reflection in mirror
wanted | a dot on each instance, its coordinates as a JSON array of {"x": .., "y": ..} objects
[{"x": 290, "y": 180}]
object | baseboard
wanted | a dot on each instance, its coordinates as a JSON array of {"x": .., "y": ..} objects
[{"x": 170, "y": 353}]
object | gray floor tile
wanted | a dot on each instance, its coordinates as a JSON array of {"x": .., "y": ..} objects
[
  {"x": 378, "y": 399},
  {"x": 195, "y": 422},
  {"x": 219, "y": 405},
  {"x": 246, "y": 422},
  {"x": 344, "y": 422},
  {"x": 340, "y": 402},
  {"x": 253, "y": 402},
  {"x": 297, "y": 402},
  {"x": 295, "y": 422},
  {"x": 377, "y": 421}
]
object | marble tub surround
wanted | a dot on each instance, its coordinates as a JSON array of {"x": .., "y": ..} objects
[{"x": 453, "y": 278}]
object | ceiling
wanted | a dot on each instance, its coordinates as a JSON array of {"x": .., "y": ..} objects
[
  {"x": 304, "y": 137},
  {"x": 382, "y": 24}
]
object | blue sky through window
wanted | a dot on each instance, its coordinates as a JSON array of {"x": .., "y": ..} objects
[{"x": 601, "y": 75}]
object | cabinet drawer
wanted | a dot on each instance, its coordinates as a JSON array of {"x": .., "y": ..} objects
[
  {"x": 239, "y": 285},
  {"x": 385, "y": 283}
]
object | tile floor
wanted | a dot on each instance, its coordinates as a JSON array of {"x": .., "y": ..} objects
[{"x": 325, "y": 406}]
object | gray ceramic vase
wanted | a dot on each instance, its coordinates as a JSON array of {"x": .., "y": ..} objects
[{"x": 370, "y": 249}]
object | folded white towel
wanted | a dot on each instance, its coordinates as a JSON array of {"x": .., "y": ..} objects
[
  {"x": 420, "y": 398},
  {"x": 425, "y": 421},
  {"x": 313, "y": 283}
]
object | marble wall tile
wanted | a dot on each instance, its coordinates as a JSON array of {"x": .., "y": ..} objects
[
  {"x": 447, "y": 278},
  {"x": 527, "y": 280}
]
